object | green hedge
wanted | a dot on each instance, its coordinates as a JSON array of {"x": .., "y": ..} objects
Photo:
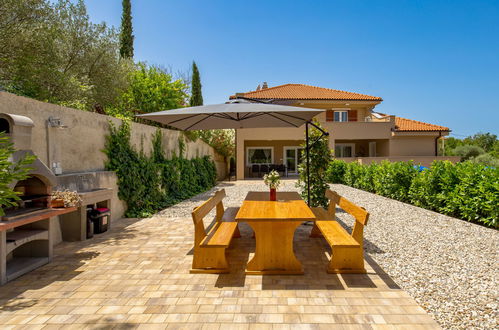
[
  {"x": 148, "y": 184},
  {"x": 464, "y": 190}
]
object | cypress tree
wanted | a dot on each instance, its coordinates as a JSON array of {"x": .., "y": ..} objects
[
  {"x": 196, "y": 94},
  {"x": 126, "y": 34}
]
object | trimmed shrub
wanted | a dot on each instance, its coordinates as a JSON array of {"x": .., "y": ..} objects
[
  {"x": 360, "y": 176},
  {"x": 466, "y": 190},
  {"x": 431, "y": 187},
  {"x": 336, "y": 171},
  {"x": 476, "y": 196},
  {"x": 393, "y": 180}
]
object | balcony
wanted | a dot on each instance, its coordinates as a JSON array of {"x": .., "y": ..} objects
[{"x": 369, "y": 129}]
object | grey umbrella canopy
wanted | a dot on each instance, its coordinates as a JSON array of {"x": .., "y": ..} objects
[
  {"x": 234, "y": 114},
  {"x": 240, "y": 113}
]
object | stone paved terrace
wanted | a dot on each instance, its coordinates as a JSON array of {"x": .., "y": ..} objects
[{"x": 137, "y": 275}]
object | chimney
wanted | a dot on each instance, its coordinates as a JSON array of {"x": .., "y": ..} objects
[
  {"x": 265, "y": 86},
  {"x": 258, "y": 88}
]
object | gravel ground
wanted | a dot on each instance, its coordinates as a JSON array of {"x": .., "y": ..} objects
[{"x": 449, "y": 266}]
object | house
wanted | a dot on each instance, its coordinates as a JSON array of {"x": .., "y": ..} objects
[{"x": 357, "y": 131}]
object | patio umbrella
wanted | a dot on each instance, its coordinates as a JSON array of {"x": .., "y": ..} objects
[
  {"x": 233, "y": 114},
  {"x": 239, "y": 113}
]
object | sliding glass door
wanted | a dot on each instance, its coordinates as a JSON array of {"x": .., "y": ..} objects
[{"x": 293, "y": 156}]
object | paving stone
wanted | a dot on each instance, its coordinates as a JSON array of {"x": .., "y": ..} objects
[{"x": 137, "y": 276}]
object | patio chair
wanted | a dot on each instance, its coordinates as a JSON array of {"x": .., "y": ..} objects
[
  {"x": 264, "y": 169},
  {"x": 282, "y": 168},
  {"x": 347, "y": 250},
  {"x": 255, "y": 168},
  {"x": 209, "y": 247}
]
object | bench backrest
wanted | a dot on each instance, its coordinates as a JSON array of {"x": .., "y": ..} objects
[
  {"x": 359, "y": 213},
  {"x": 202, "y": 210}
]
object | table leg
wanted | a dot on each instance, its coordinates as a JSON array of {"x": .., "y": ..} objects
[
  {"x": 274, "y": 248},
  {"x": 315, "y": 232}
]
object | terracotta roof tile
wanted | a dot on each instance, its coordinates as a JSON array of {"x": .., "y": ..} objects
[
  {"x": 409, "y": 125},
  {"x": 306, "y": 92}
]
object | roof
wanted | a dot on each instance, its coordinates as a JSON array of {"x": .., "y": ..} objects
[
  {"x": 306, "y": 92},
  {"x": 409, "y": 125}
]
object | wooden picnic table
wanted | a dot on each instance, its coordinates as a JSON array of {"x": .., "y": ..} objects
[{"x": 274, "y": 224}]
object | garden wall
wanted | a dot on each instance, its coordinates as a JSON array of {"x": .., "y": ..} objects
[{"x": 77, "y": 146}]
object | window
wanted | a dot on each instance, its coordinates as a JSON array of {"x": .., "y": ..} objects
[
  {"x": 341, "y": 116},
  {"x": 344, "y": 150},
  {"x": 259, "y": 155}
]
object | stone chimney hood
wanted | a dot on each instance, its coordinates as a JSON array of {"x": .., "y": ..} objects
[{"x": 18, "y": 129}]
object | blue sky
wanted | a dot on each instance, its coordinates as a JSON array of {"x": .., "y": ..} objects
[{"x": 434, "y": 61}]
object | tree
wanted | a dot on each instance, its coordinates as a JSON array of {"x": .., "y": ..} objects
[
  {"x": 23, "y": 26},
  {"x": 150, "y": 89},
  {"x": 450, "y": 144},
  {"x": 17, "y": 16},
  {"x": 468, "y": 151},
  {"x": 486, "y": 159},
  {"x": 222, "y": 140},
  {"x": 196, "y": 93},
  {"x": 53, "y": 53},
  {"x": 485, "y": 141},
  {"x": 126, "y": 33},
  {"x": 320, "y": 156},
  {"x": 10, "y": 171},
  {"x": 495, "y": 150}
]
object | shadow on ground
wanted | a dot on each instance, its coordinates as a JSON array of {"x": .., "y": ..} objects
[
  {"x": 314, "y": 255},
  {"x": 67, "y": 263}
]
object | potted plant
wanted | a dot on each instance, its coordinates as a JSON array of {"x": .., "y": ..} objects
[
  {"x": 65, "y": 198},
  {"x": 273, "y": 180}
]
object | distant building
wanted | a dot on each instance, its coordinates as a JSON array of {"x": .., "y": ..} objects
[{"x": 356, "y": 130}]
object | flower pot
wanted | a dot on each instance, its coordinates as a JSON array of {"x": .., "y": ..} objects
[
  {"x": 57, "y": 203},
  {"x": 273, "y": 194}
]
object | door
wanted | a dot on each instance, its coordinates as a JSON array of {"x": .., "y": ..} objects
[
  {"x": 372, "y": 149},
  {"x": 293, "y": 156},
  {"x": 344, "y": 150}
]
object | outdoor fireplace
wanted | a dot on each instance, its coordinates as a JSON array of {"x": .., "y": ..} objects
[
  {"x": 34, "y": 191},
  {"x": 26, "y": 229}
]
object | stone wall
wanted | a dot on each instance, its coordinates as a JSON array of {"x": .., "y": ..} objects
[{"x": 76, "y": 146}]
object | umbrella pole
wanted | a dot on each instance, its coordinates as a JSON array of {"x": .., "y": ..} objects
[{"x": 308, "y": 164}]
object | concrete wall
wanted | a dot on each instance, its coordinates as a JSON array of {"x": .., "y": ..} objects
[
  {"x": 412, "y": 146},
  {"x": 91, "y": 180},
  {"x": 359, "y": 130},
  {"x": 78, "y": 146}
]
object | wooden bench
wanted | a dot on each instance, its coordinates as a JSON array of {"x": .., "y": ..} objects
[
  {"x": 347, "y": 250},
  {"x": 209, "y": 247}
]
